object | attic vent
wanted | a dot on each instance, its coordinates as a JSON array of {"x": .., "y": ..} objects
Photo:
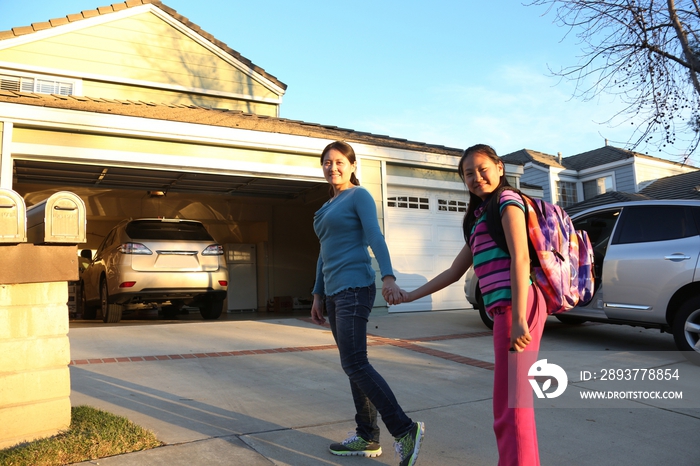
[{"x": 41, "y": 86}]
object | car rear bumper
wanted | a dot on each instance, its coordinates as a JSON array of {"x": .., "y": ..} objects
[{"x": 156, "y": 295}]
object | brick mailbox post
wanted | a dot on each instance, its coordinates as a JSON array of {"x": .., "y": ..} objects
[{"x": 34, "y": 347}]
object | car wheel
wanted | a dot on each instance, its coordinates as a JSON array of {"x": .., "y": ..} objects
[
  {"x": 686, "y": 329},
  {"x": 485, "y": 317},
  {"x": 111, "y": 313},
  {"x": 89, "y": 310},
  {"x": 570, "y": 320},
  {"x": 211, "y": 309}
]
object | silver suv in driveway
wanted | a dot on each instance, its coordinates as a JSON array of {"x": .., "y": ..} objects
[
  {"x": 155, "y": 261},
  {"x": 646, "y": 266}
]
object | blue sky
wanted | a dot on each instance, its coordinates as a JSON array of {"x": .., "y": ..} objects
[{"x": 446, "y": 72}]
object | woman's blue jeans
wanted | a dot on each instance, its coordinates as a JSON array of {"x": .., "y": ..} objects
[{"x": 348, "y": 313}]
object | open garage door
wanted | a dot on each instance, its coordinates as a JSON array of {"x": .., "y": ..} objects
[
  {"x": 156, "y": 181},
  {"x": 273, "y": 213},
  {"x": 424, "y": 234}
]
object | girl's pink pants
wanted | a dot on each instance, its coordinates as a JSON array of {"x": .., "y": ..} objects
[{"x": 516, "y": 432}]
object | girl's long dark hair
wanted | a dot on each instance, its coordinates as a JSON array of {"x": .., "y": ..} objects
[
  {"x": 349, "y": 153},
  {"x": 493, "y": 220}
]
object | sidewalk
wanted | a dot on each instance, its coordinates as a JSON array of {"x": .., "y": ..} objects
[{"x": 272, "y": 392}]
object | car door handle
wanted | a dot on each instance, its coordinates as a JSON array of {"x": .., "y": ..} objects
[{"x": 677, "y": 257}]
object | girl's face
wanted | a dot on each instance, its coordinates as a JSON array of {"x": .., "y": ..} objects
[
  {"x": 337, "y": 170},
  {"x": 481, "y": 174}
]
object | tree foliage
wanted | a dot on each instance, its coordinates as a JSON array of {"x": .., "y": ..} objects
[{"x": 648, "y": 53}]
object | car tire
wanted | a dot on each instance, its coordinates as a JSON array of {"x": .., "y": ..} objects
[
  {"x": 570, "y": 320},
  {"x": 686, "y": 329},
  {"x": 111, "y": 313},
  {"x": 211, "y": 309},
  {"x": 89, "y": 310},
  {"x": 485, "y": 317}
]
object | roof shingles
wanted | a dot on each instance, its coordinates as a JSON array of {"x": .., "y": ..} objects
[{"x": 216, "y": 117}]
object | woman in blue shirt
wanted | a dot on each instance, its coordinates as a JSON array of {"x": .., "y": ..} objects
[{"x": 346, "y": 225}]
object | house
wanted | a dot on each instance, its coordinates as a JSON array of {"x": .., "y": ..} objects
[
  {"x": 142, "y": 113},
  {"x": 569, "y": 180}
]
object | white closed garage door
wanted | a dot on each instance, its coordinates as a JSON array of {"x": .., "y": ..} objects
[{"x": 424, "y": 235}]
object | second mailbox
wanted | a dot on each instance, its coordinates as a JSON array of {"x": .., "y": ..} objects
[{"x": 58, "y": 219}]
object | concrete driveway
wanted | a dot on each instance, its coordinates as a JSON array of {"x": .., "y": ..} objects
[{"x": 261, "y": 392}]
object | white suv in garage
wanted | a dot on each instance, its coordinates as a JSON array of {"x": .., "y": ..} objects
[
  {"x": 646, "y": 266},
  {"x": 155, "y": 261}
]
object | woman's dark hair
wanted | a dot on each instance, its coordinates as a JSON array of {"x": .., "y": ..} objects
[
  {"x": 493, "y": 221},
  {"x": 349, "y": 153}
]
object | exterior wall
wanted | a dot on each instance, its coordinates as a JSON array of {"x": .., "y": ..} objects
[
  {"x": 648, "y": 171},
  {"x": 141, "y": 49},
  {"x": 538, "y": 177},
  {"x": 145, "y": 94},
  {"x": 34, "y": 376},
  {"x": 624, "y": 179}
]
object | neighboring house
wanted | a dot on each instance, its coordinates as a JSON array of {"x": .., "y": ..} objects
[
  {"x": 569, "y": 180},
  {"x": 143, "y": 114}
]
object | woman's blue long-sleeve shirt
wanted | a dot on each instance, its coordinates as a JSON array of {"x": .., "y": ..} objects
[{"x": 346, "y": 225}]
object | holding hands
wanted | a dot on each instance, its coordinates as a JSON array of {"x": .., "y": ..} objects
[{"x": 392, "y": 293}]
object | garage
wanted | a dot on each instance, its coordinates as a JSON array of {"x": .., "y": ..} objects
[{"x": 424, "y": 234}]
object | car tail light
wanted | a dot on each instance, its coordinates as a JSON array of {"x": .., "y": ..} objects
[
  {"x": 213, "y": 250},
  {"x": 134, "y": 248},
  {"x": 223, "y": 283},
  {"x": 127, "y": 284}
]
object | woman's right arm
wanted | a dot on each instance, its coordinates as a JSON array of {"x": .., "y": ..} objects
[{"x": 458, "y": 268}]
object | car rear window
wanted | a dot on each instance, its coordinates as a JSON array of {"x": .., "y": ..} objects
[{"x": 157, "y": 230}]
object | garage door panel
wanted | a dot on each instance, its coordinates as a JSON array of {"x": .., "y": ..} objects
[
  {"x": 408, "y": 262},
  {"x": 424, "y": 242}
]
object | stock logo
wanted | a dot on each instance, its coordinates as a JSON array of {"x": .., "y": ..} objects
[{"x": 543, "y": 370}]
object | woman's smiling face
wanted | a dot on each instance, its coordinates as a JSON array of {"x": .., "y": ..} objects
[
  {"x": 337, "y": 170},
  {"x": 481, "y": 174}
]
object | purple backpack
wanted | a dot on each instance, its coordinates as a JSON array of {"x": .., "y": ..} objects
[{"x": 562, "y": 266}]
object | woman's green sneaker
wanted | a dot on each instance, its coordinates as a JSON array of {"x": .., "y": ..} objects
[
  {"x": 408, "y": 446},
  {"x": 356, "y": 446}
]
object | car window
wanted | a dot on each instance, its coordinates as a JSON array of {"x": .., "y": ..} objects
[
  {"x": 599, "y": 227},
  {"x": 105, "y": 242},
  {"x": 643, "y": 224},
  {"x": 157, "y": 230}
]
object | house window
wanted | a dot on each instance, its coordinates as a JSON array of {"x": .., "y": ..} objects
[
  {"x": 566, "y": 193},
  {"x": 409, "y": 202},
  {"x": 37, "y": 85},
  {"x": 451, "y": 205},
  {"x": 598, "y": 186}
]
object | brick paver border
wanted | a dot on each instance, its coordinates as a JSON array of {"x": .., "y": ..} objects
[{"x": 372, "y": 340}]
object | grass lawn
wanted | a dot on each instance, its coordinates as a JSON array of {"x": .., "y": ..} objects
[{"x": 92, "y": 434}]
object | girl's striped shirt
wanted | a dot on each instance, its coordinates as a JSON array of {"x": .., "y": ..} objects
[{"x": 491, "y": 263}]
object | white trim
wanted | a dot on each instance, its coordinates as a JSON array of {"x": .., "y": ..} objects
[{"x": 6, "y": 155}]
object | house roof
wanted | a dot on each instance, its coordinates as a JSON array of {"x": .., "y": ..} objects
[
  {"x": 683, "y": 186},
  {"x": 216, "y": 117},
  {"x": 524, "y": 156},
  {"x": 582, "y": 161},
  {"x": 105, "y": 10}
]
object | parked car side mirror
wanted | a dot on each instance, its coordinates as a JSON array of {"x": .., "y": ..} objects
[{"x": 86, "y": 254}]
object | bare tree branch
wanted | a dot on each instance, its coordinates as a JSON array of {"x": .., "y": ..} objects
[{"x": 647, "y": 53}]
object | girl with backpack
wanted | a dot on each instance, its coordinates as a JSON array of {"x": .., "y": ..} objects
[{"x": 517, "y": 306}]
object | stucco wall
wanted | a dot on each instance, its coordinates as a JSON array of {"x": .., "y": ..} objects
[{"x": 34, "y": 377}]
